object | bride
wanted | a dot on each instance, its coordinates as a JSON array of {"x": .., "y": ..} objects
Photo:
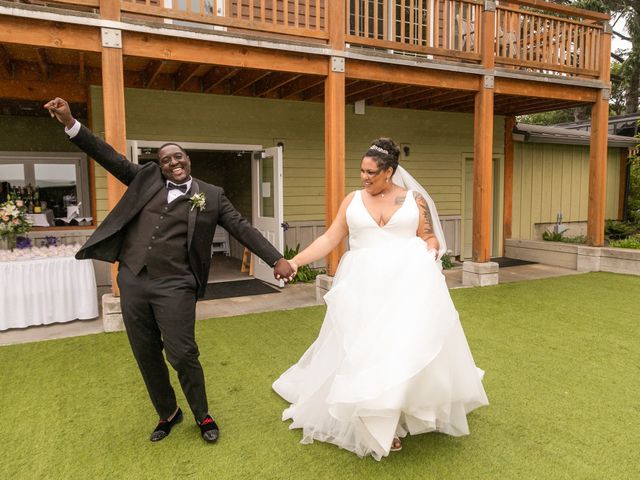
[{"x": 391, "y": 357}]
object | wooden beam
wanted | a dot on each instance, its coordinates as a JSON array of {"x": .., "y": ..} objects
[
  {"x": 6, "y": 67},
  {"x": 245, "y": 79},
  {"x": 482, "y": 173},
  {"x": 115, "y": 130},
  {"x": 597, "y": 172},
  {"x": 298, "y": 87},
  {"x": 336, "y": 19},
  {"x": 334, "y": 148},
  {"x": 185, "y": 73},
  {"x": 216, "y": 76},
  {"x": 154, "y": 67},
  {"x": 273, "y": 82},
  {"x": 40, "y": 90},
  {"x": 390, "y": 94},
  {"x": 509, "y": 154},
  {"x": 399, "y": 74},
  {"x": 39, "y": 33},
  {"x": 416, "y": 95},
  {"x": 436, "y": 101},
  {"x": 352, "y": 92},
  {"x": 210, "y": 53},
  {"x": 315, "y": 93},
  {"x": 526, "y": 88},
  {"x": 43, "y": 64}
]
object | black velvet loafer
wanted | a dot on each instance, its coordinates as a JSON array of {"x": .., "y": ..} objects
[
  {"x": 164, "y": 427},
  {"x": 209, "y": 429}
]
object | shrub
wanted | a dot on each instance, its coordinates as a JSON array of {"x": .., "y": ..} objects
[
  {"x": 305, "y": 274},
  {"x": 552, "y": 236},
  {"x": 616, "y": 230},
  {"x": 447, "y": 261},
  {"x": 629, "y": 242}
]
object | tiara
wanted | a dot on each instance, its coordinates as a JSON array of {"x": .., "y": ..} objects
[{"x": 379, "y": 149}]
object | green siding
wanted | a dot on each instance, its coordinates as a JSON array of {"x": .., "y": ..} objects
[
  {"x": 33, "y": 134},
  {"x": 550, "y": 178},
  {"x": 438, "y": 141}
]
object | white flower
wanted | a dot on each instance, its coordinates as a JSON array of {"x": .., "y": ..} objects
[{"x": 198, "y": 201}]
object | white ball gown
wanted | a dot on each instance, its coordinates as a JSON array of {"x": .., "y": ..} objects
[{"x": 391, "y": 357}]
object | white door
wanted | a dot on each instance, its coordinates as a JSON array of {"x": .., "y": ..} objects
[{"x": 266, "y": 194}]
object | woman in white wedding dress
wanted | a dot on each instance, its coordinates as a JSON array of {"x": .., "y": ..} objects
[{"x": 391, "y": 357}]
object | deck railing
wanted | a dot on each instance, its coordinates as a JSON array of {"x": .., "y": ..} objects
[
  {"x": 303, "y": 18},
  {"x": 531, "y": 39},
  {"x": 529, "y": 35},
  {"x": 431, "y": 27}
]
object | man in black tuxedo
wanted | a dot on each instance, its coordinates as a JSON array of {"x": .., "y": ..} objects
[{"x": 161, "y": 232}]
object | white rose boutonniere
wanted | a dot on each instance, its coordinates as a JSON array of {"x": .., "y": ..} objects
[{"x": 198, "y": 201}]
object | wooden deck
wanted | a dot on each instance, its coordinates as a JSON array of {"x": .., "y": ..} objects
[{"x": 528, "y": 35}]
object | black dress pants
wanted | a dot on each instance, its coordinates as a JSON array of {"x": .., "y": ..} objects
[{"x": 160, "y": 313}]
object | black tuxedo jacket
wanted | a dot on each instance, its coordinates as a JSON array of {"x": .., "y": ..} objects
[{"x": 143, "y": 182}]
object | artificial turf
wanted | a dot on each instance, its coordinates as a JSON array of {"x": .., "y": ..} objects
[{"x": 562, "y": 374}]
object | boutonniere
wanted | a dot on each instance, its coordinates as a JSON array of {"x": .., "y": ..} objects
[{"x": 198, "y": 201}]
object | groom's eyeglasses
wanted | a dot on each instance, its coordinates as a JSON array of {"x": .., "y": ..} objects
[{"x": 370, "y": 173}]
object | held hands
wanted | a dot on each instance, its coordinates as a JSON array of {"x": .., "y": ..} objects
[
  {"x": 59, "y": 108},
  {"x": 285, "y": 270}
]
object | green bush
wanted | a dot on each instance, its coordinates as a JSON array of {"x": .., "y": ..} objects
[
  {"x": 581, "y": 239},
  {"x": 552, "y": 236},
  {"x": 447, "y": 261},
  {"x": 305, "y": 274},
  {"x": 616, "y": 230},
  {"x": 559, "y": 237},
  {"x": 629, "y": 242}
]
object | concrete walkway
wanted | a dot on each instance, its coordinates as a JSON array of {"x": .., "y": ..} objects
[{"x": 293, "y": 296}]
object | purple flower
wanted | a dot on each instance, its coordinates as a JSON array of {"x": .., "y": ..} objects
[
  {"x": 23, "y": 242},
  {"x": 51, "y": 241}
]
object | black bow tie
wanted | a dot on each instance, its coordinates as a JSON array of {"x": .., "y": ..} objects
[{"x": 172, "y": 186}]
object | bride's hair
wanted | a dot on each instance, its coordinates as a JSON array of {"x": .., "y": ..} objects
[{"x": 385, "y": 152}]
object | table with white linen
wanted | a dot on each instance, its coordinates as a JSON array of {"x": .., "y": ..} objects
[{"x": 47, "y": 290}]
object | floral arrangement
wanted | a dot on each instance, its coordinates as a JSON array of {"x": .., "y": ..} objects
[
  {"x": 23, "y": 242},
  {"x": 198, "y": 201},
  {"x": 13, "y": 219}
]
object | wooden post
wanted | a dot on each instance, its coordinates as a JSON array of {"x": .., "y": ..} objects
[
  {"x": 507, "y": 220},
  {"x": 598, "y": 149},
  {"x": 483, "y": 144},
  {"x": 334, "y": 149},
  {"x": 334, "y": 125},
  {"x": 114, "y": 113}
]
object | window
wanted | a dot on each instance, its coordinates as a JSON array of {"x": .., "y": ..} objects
[{"x": 62, "y": 179}]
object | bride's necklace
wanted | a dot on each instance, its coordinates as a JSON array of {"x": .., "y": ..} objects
[{"x": 382, "y": 193}]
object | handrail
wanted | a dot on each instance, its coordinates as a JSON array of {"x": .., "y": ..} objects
[{"x": 563, "y": 9}]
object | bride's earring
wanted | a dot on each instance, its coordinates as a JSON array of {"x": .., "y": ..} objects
[{"x": 387, "y": 180}]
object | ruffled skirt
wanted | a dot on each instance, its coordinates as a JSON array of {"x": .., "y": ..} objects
[{"x": 391, "y": 357}]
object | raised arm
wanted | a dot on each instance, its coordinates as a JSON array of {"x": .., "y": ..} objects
[
  {"x": 425, "y": 228},
  {"x": 329, "y": 240},
  {"x": 103, "y": 153}
]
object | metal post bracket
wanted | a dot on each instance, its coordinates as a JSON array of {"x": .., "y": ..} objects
[
  {"x": 489, "y": 6},
  {"x": 111, "y": 37},
  {"x": 488, "y": 81},
  {"x": 337, "y": 64}
]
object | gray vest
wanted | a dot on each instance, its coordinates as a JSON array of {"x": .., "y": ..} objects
[{"x": 157, "y": 238}]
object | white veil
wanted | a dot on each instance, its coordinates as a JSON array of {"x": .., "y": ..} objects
[{"x": 404, "y": 179}]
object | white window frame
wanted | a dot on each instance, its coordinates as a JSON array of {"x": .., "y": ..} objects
[{"x": 29, "y": 159}]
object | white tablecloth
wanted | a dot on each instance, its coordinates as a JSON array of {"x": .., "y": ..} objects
[{"x": 46, "y": 290}]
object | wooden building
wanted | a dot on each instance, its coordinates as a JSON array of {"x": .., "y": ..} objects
[{"x": 319, "y": 79}]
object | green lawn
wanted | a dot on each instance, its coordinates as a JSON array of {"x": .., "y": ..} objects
[{"x": 562, "y": 363}]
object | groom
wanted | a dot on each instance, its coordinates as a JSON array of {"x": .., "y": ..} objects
[{"x": 161, "y": 232}]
